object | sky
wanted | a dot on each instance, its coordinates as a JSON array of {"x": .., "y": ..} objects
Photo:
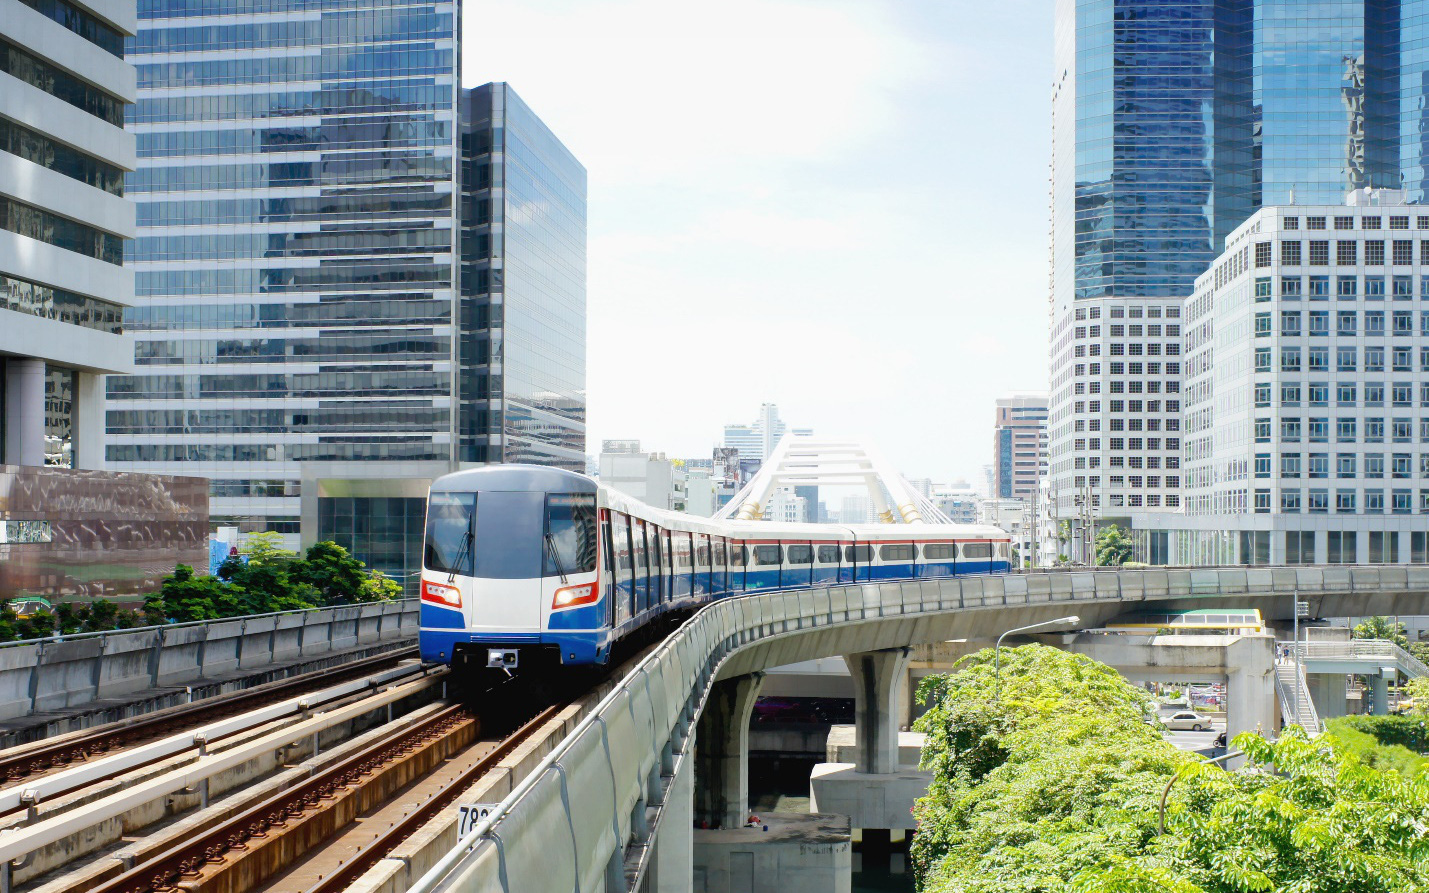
[{"x": 838, "y": 207}]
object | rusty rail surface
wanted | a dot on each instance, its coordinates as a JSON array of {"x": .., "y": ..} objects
[
  {"x": 388, "y": 840},
  {"x": 127, "y": 732},
  {"x": 185, "y": 861}
]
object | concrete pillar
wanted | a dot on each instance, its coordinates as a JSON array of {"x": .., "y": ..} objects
[
  {"x": 24, "y": 411},
  {"x": 1250, "y": 686},
  {"x": 879, "y": 679},
  {"x": 1327, "y": 693},
  {"x": 1379, "y": 687},
  {"x": 89, "y": 420},
  {"x": 674, "y": 857},
  {"x": 722, "y": 752}
]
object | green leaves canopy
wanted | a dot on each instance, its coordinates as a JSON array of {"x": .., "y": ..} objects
[{"x": 1056, "y": 786}]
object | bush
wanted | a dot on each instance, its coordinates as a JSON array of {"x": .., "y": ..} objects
[{"x": 1409, "y": 732}]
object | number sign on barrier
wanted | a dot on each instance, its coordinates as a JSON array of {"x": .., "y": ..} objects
[{"x": 471, "y": 816}]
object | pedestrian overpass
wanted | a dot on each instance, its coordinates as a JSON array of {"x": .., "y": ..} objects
[{"x": 613, "y": 807}]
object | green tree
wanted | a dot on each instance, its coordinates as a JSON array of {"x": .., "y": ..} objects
[
  {"x": 262, "y": 548},
  {"x": 184, "y": 597},
  {"x": 1418, "y": 689},
  {"x": 1055, "y": 787},
  {"x": 378, "y": 587},
  {"x": 1382, "y": 628},
  {"x": 1113, "y": 546},
  {"x": 337, "y": 577}
]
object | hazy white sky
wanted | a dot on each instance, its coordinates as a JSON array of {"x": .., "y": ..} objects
[{"x": 840, "y": 207}]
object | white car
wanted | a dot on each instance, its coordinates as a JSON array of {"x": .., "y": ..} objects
[{"x": 1185, "y": 719}]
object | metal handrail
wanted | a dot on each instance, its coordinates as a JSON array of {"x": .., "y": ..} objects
[
  {"x": 191, "y": 624},
  {"x": 1360, "y": 649}
]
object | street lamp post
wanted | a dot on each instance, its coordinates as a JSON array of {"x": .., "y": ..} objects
[{"x": 997, "y": 648}]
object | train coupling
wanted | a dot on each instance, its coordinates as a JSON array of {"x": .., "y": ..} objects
[{"x": 502, "y": 659}]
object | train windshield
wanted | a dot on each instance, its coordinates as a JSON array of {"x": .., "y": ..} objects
[
  {"x": 571, "y": 534},
  {"x": 449, "y": 533}
]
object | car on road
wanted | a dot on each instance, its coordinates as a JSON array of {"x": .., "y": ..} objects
[{"x": 1185, "y": 720}]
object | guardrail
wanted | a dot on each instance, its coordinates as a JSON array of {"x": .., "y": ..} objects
[
  {"x": 1383, "y": 651},
  {"x": 579, "y": 819},
  {"x": 63, "y": 671}
]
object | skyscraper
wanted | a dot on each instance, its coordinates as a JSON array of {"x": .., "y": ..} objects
[
  {"x": 1019, "y": 442},
  {"x": 309, "y": 334},
  {"x": 521, "y": 354},
  {"x": 1173, "y": 122},
  {"x": 757, "y": 441}
]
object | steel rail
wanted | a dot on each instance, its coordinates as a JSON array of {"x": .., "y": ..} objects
[
  {"x": 380, "y": 847},
  {"x": 165, "y": 870},
  {"x": 17, "y": 764},
  {"x": 88, "y": 772}
]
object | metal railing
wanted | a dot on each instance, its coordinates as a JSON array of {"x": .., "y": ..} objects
[
  {"x": 1296, "y": 705},
  {"x": 1380, "y": 651}
]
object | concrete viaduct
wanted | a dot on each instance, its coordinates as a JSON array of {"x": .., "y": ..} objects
[{"x": 613, "y": 808}]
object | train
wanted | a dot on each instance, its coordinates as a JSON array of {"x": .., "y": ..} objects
[{"x": 529, "y": 566}]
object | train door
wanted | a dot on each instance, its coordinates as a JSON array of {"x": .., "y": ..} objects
[
  {"x": 720, "y": 561},
  {"x": 737, "y": 558},
  {"x": 657, "y": 565},
  {"x": 702, "y": 564},
  {"x": 860, "y": 556},
  {"x": 800, "y": 568},
  {"x": 669, "y": 556},
  {"x": 640, "y": 553},
  {"x": 624, "y": 570},
  {"x": 607, "y": 571}
]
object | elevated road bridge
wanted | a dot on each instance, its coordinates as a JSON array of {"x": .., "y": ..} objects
[{"x": 614, "y": 806}]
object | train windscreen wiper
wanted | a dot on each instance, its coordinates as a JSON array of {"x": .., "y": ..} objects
[
  {"x": 556, "y": 557},
  {"x": 461, "y": 556}
]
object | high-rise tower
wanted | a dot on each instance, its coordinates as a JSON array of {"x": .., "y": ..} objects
[{"x": 1173, "y": 122}]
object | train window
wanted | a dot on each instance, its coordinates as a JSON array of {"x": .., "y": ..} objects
[
  {"x": 509, "y": 543},
  {"x": 828, "y": 555},
  {"x": 738, "y": 556},
  {"x": 570, "y": 545},
  {"x": 939, "y": 551},
  {"x": 622, "y": 542},
  {"x": 799, "y": 554},
  {"x": 702, "y": 551},
  {"x": 449, "y": 533},
  {"x": 896, "y": 552},
  {"x": 719, "y": 552},
  {"x": 977, "y": 550},
  {"x": 767, "y": 554},
  {"x": 682, "y": 548},
  {"x": 861, "y": 554}
]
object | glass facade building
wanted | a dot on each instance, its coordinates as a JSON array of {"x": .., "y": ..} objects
[
  {"x": 308, "y": 333},
  {"x": 521, "y": 356},
  {"x": 1174, "y": 121}
]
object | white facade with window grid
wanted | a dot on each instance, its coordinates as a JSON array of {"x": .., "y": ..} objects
[{"x": 1307, "y": 392}]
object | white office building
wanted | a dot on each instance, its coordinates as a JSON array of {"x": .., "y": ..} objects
[
  {"x": 64, "y": 89},
  {"x": 1306, "y": 432}
]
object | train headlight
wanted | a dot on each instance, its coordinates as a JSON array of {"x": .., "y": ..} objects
[
  {"x": 437, "y": 594},
  {"x": 575, "y": 596}
]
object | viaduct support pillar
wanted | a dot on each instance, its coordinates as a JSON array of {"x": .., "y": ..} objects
[
  {"x": 1327, "y": 692},
  {"x": 1379, "y": 687},
  {"x": 879, "y": 679},
  {"x": 722, "y": 752},
  {"x": 674, "y": 858},
  {"x": 1250, "y": 687}
]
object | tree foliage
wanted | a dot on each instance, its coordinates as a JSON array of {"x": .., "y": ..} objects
[
  {"x": 1055, "y": 786},
  {"x": 1382, "y": 628},
  {"x": 1113, "y": 546}
]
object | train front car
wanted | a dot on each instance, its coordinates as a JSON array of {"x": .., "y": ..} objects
[{"x": 509, "y": 570}]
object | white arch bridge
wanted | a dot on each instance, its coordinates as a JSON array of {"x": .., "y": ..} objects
[{"x": 612, "y": 808}]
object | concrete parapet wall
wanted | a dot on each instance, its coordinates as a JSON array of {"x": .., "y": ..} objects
[{"x": 66, "y": 672}]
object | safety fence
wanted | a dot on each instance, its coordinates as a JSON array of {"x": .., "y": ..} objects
[{"x": 65, "y": 671}]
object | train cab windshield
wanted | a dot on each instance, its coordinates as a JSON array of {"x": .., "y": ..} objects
[{"x": 511, "y": 535}]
